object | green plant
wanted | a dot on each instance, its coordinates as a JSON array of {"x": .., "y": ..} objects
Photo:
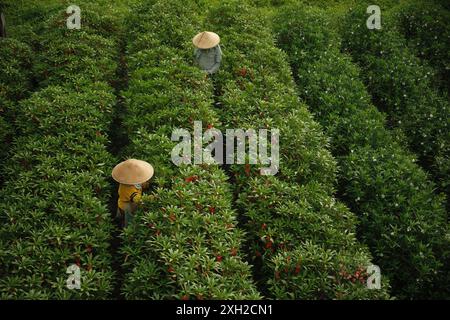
[
  {"x": 184, "y": 242},
  {"x": 298, "y": 235},
  {"x": 378, "y": 177},
  {"x": 56, "y": 187},
  {"x": 425, "y": 28},
  {"x": 403, "y": 88}
]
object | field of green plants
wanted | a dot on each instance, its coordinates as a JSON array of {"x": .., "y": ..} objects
[{"x": 363, "y": 179}]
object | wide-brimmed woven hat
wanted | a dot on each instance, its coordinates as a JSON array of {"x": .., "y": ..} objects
[
  {"x": 206, "y": 40},
  {"x": 132, "y": 171}
]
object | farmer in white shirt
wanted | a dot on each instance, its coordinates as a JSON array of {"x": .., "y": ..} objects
[{"x": 207, "y": 52}]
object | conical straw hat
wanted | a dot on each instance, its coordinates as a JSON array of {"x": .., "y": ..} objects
[
  {"x": 206, "y": 40},
  {"x": 132, "y": 171}
]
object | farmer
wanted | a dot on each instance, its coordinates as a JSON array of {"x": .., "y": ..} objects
[
  {"x": 133, "y": 176},
  {"x": 207, "y": 53}
]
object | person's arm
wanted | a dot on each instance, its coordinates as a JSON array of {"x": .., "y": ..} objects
[
  {"x": 218, "y": 54},
  {"x": 217, "y": 59},
  {"x": 136, "y": 196}
]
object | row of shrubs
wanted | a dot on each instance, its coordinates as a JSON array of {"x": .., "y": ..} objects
[
  {"x": 424, "y": 25},
  {"x": 54, "y": 201},
  {"x": 404, "y": 88},
  {"x": 302, "y": 241},
  {"x": 15, "y": 83},
  {"x": 183, "y": 242},
  {"x": 401, "y": 219}
]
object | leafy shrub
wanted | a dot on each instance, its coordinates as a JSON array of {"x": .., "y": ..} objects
[
  {"x": 187, "y": 243},
  {"x": 378, "y": 177},
  {"x": 5, "y": 136},
  {"x": 425, "y": 27},
  {"x": 15, "y": 83},
  {"x": 56, "y": 190},
  {"x": 184, "y": 242},
  {"x": 15, "y": 76},
  {"x": 400, "y": 217},
  {"x": 299, "y": 236},
  {"x": 73, "y": 56},
  {"x": 403, "y": 88},
  {"x": 54, "y": 206}
]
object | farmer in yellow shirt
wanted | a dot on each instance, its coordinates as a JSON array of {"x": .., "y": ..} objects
[{"x": 133, "y": 176}]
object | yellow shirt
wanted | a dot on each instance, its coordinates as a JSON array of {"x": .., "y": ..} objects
[{"x": 128, "y": 194}]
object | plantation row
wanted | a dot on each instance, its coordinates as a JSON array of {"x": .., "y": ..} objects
[
  {"x": 54, "y": 200},
  {"x": 402, "y": 86},
  {"x": 200, "y": 225},
  {"x": 427, "y": 32},
  {"x": 401, "y": 219},
  {"x": 301, "y": 239},
  {"x": 184, "y": 242},
  {"x": 15, "y": 83}
]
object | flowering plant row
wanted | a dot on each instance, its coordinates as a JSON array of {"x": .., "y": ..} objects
[
  {"x": 54, "y": 207},
  {"x": 403, "y": 88},
  {"x": 184, "y": 242},
  {"x": 401, "y": 219},
  {"x": 15, "y": 83},
  {"x": 301, "y": 239}
]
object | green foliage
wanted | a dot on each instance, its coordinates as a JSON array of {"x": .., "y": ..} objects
[
  {"x": 5, "y": 136},
  {"x": 402, "y": 87},
  {"x": 426, "y": 29},
  {"x": 54, "y": 202},
  {"x": 15, "y": 76},
  {"x": 184, "y": 242},
  {"x": 299, "y": 235},
  {"x": 400, "y": 217},
  {"x": 306, "y": 240},
  {"x": 378, "y": 177},
  {"x": 56, "y": 190}
]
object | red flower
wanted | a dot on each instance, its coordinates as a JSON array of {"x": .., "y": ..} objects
[
  {"x": 170, "y": 269},
  {"x": 185, "y": 297},
  {"x": 263, "y": 226},
  {"x": 210, "y": 126},
  {"x": 243, "y": 72},
  {"x": 268, "y": 245},
  {"x": 257, "y": 253},
  {"x": 233, "y": 252},
  {"x": 191, "y": 179},
  {"x": 219, "y": 258},
  {"x": 212, "y": 210}
]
